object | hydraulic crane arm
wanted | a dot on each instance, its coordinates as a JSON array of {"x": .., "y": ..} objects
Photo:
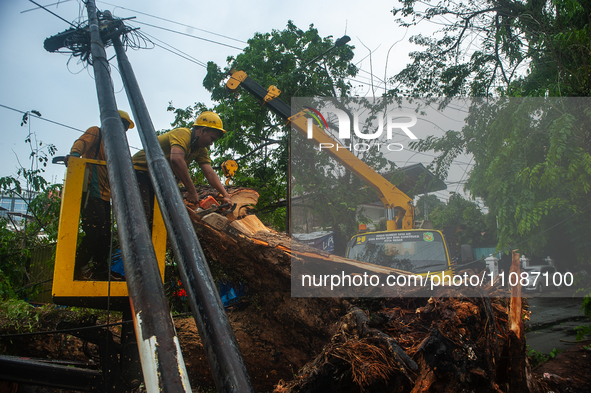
[{"x": 389, "y": 194}]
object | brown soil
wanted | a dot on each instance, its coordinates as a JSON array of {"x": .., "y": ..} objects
[
  {"x": 567, "y": 372},
  {"x": 280, "y": 353},
  {"x": 271, "y": 352}
]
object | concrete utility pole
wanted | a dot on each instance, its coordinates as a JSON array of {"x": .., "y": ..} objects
[
  {"x": 219, "y": 341},
  {"x": 160, "y": 353}
]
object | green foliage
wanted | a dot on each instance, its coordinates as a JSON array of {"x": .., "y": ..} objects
[
  {"x": 432, "y": 203},
  {"x": 489, "y": 47},
  {"x": 256, "y": 138},
  {"x": 327, "y": 194},
  {"x": 532, "y": 156},
  {"x": 43, "y": 205},
  {"x": 532, "y": 160},
  {"x": 471, "y": 225},
  {"x": 18, "y": 315},
  {"x": 587, "y": 306},
  {"x": 532, "y": 169},
  {"x": 274, "y": 219},
  {"x": 585, "y": 330},
  {"x": 536, "y": 358}
]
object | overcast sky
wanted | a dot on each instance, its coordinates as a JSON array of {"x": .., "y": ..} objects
[{"x": 64, "y": 91}]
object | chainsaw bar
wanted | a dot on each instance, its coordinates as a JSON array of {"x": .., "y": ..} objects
[{"x": 216, "y": 209}]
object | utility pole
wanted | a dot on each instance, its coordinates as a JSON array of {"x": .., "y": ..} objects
[
  {"x": 160, "y": 354},
  {"x": 162, "y": 362},
  {"x": 219, "y": 341}
]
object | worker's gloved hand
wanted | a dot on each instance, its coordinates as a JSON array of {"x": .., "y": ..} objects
[{"x": 67, "y": 158}]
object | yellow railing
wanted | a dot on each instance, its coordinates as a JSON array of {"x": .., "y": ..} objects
[{"x": 64, "y": 285}]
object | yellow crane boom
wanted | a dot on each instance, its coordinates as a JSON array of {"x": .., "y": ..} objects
[{"x": 392, "y": 197}]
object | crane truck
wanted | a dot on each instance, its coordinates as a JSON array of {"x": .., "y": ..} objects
[{"x": 404, "y": 245}]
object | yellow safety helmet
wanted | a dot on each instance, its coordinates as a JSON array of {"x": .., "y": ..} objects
[
  {"x": 125, "y": 116},
  {"x": 210, "y": 120}
]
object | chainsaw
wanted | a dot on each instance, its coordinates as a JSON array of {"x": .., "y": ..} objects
[{"x": 215, "y": 215}]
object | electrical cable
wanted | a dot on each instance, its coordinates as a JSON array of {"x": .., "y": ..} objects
[
  {"x": 189, "y": 35},
  {"x": 182, "y": 56},
  {"x": 171, "y": 21},
  {"x": 462, "y": 178},
  {"x": 180, "y": 53},
  {"x": 53, "y": 122},
  {"x": 42, "y": 118},
  {"x": 46, "y": 5},
  {"x": 70, "y": 330},
  {"x": 77, "y": 40},
  {"x": 135, "y": 39},
  {"x": 54, "y": 14},
  {"x": 185, "y": 56}
]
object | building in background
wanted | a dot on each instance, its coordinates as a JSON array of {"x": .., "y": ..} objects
[{"x": 14, "y": 207}]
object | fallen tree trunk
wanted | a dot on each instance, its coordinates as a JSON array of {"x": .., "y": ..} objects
[
  {"x": 277, "y": 334},
  {"x": 396, "y": 344}
]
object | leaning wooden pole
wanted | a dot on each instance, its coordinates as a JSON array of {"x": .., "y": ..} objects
[
  {"x": 517, "y": 373},
  {"x": 219, "y": 341},
  {"x": 160, "y": 353}
]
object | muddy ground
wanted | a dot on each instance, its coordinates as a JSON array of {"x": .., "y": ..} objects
[{"x": 278, "y": 354}]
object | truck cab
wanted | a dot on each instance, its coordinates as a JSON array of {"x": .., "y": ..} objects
[{"x": 416, "y": 251}]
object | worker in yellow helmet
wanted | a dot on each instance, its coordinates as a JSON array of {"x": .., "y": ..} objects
[
  {"x": 182, "y": 146},
  {"x": 95, "y": 211}
]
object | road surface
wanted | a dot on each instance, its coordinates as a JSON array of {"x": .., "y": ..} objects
[{"x": 552, "y": 323}]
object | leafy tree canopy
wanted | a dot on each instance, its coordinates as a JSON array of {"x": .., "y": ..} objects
[
  {"x": 517, "y": 48},
  {"x": 300, "y": 63},
  {"x": 532, "y": 156},
  {"x": 472, "y": 226}
]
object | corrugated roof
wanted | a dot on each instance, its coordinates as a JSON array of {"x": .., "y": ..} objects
[{"x": 416, "y": 178}]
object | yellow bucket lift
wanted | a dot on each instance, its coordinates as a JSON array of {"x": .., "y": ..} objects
[{"x": 95, "y": 294}]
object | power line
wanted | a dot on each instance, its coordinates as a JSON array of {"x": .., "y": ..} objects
[
  {"x": 464, "y": 174},
  {"x": 189, "y": 35},
  {"x": 371, "y": 74},
  {"x": 47, "y": 5},
  {"x": 362, "y": 82},
  {"x": 54, "y": 14},
  {"x": 171, "y": 21},
  {"x": 179, "y": 52},
  {"x": 42, "y": 118},
  {"x": 186, "y": 56},
  {"x": 51, "y": 121},
  {"x": 455, "y": 162}
]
